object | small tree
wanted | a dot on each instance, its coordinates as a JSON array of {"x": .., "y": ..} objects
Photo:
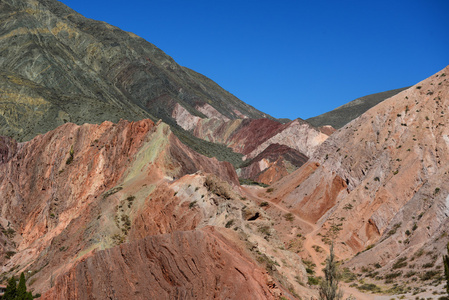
[
  {"x": 21, "y": 288},
  {"x": 329, "y": 289},
  {"x": 446, "y": 268},
  {"x": 19, "y": 292},
  {"x": 11, "y": 290}
]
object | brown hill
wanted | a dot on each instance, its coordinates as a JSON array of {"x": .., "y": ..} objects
[{"x": 378, "y": 186}]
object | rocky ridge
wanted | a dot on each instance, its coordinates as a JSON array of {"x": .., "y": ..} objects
[
  {"x": 393, "y": 189},
  {"x": 151, "y": 268}
]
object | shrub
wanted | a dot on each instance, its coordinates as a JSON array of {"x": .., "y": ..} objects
[
  {"x": 391, "y": 276},
  {"x": 410, "y": 274},
  {"x": 310, "y": 271},
  {"x": 313, "y": 280},
  {"x": 428, "y": 265},
  {"x": 400, "y": 263},
  {"x": 245, "y": 181},
  {"x": 429, "y": 275},
  {"x": 348, "y": 206},
  {"x": 70, "y": 158},
  {"x": 229, "y": 223},
  {"x": 394, "y": 229},
  {"x": 112, "y": 191},
  {"x": 289, "y": 217},
  {"x": 265, "y": 230},
  {"x": 347, "y": 276},
  {"x": 369, "y": 287}
]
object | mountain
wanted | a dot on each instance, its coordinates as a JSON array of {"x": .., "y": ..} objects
[
  {"x": 58, "y": 66},
  {"x": 344, "y": 114},
  {"x": 121, "y": 176},
  {"x": 254, "y": 137},
  {"x": 155, "y": 270},
  {"x": 378, "y": 187},
  {"x": 86, "y": 209}
]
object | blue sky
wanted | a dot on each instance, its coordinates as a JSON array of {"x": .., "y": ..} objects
[{"x": 292, "y": 58}]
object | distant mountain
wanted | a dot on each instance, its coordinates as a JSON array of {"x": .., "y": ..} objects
[
  {"x": 57, "y": 66},
  {"x": 344, "y": 114}
]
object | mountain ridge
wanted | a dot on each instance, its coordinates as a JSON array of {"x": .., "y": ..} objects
[
  {"x": 340, "y": 116},
  {"x": 80, "y": 70}
]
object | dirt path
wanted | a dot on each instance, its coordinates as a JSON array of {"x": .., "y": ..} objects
[
  {"x": 253, "y": 194},
  {"x": 309, "y": 241}
]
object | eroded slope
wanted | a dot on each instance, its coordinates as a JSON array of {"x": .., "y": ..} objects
[{"x": 380, "y": 183}]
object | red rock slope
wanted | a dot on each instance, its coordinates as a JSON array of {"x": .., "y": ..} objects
[
  {"x": 79, "y": 188},
  {"x": 199, "y": 264},
  {"x": 131, "y": 195},
  {"x": 272, "y": 164}
]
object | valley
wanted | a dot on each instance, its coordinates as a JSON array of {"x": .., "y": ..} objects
[{"x": 124, "y": 175}]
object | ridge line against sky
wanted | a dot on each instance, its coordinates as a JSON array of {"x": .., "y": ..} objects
[{"x": 291, "y": 58}]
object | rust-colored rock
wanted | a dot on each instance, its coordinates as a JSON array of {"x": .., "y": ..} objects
[
  {"x": 80, "y": 188},
  {"x": 199, "y": 264}
]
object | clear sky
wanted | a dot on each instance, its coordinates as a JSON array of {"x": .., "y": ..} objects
[{"x": 292, "y": 58}]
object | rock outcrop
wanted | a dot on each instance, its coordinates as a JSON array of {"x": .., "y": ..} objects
[{"x": 274, "y": 163}]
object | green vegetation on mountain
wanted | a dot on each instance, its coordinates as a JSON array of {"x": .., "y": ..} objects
[
  {"x": 344, "y": 114},
  {"x": 58, "y": 66}
]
